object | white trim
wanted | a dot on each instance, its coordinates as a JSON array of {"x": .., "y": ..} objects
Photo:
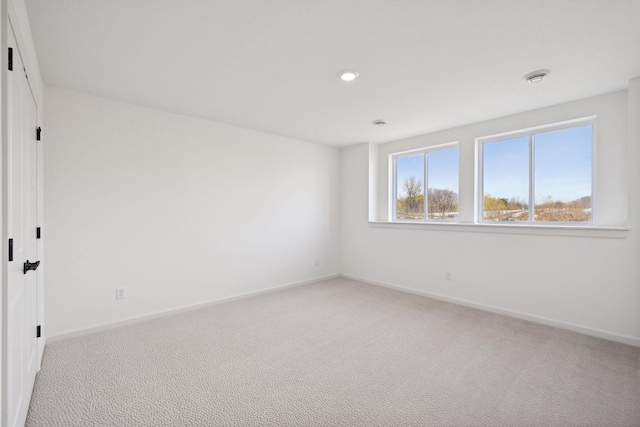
[
  {"x": 531, "y": 214},
  {"x": 71, "y": 333},
  {"x": 594, "y": 171},
  {"x": 566, "y": 124},
  {"x": 437, "y": 147},
  {"x": 599, "y": 333},
  {"x": 425, "y": 179},
  {"x": 393, "y": 202},
  {"x": 540, "y": 230},
  {"x": 478, "y": 184},
  {"x": 391, "y": 182},
  {"x": 4, "y": 42},
  {"x": 485, "y": 307},
  {"x": 17, "y": 15}
]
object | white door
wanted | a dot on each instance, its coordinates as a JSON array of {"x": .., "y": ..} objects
[{"x": 22, "y": 297}]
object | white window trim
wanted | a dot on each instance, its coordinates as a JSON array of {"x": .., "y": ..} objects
[
  {"x": 538, "y": 230},
  {"x": 530, "y": 133},
  {"x": 393, "y": 187}
]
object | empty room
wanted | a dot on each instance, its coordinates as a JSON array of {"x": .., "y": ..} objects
[{"x": 320, "y": 213}]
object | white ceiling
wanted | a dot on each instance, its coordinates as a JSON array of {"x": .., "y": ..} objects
[{"x": 271, "y": 65}]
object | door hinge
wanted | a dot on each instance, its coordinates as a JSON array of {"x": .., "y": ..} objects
[
  {"x": 38, "y": 233},
  {"x": 10, "y": 59},
  {"x": 38, "y": 330},
  {"x": 10, "y": 249},
  {"x": 38, "y": 131}
]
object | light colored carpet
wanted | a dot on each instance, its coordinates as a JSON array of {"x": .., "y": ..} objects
[{"x": 337, "y": 353}]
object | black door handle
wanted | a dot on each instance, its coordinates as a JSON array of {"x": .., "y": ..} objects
[{"x": 30, "y": 266}]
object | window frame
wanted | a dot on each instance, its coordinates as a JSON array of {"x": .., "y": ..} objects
[
  {"x": 393, "y": 194},
  {"x": 530, "y": 133}
]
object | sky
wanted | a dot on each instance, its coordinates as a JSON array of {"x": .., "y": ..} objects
[
  {"x": 562, "y": 166},
  {"x": 442, "y": 167}
]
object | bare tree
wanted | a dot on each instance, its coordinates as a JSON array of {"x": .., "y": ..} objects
[
  {"x": 516, "y": 203},
  {"x": 442, "y": 202},
  {"x": 412, "y": 204}
]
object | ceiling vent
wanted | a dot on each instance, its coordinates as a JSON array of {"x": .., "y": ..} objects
[{"x": 537, "y": 76}]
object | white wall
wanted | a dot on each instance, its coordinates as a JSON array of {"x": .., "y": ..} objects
[
  {"x": 180, "y": 211},
  {"x": 583, "y": 283}
]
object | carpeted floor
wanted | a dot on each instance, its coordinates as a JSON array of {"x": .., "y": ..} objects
[{"x": 337, "y": 353}]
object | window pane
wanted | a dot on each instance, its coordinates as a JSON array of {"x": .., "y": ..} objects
[
  {"x": 410, "y": 187},
  {"x": 442, "y": 178},
  {"x": 563, "y": 175},
  {"x": 506, "y": 180}
]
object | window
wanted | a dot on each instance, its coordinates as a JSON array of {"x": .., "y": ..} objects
[
  {"x": 431, "y": 175},
  {"x": 550, "y": 169}
]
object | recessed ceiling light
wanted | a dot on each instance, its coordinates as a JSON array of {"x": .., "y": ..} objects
[
  {"x": 379, "y": 123},
  {"x": 348, "y": 75},
  {"x": 537, "y": 76}
]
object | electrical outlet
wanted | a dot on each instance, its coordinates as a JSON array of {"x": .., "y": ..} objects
[
  {"x": 448, "y": 275},
  {"x": 120, "y": 293}
]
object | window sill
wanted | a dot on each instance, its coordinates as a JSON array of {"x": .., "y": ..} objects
[{"x": 546, "y": 230}]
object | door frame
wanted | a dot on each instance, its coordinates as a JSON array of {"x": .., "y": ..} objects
[{"x": 13, "y": 14}]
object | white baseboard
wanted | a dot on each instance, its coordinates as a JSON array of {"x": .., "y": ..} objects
[
  {"x": 137, "y": 319},
  {"x": 537, "y": 319},
  {"x": 624, "y": 339}
]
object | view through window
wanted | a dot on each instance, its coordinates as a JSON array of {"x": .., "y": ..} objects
[
  {"x": 428, "y": 175},
  {"x": 549, "y": 170}
]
